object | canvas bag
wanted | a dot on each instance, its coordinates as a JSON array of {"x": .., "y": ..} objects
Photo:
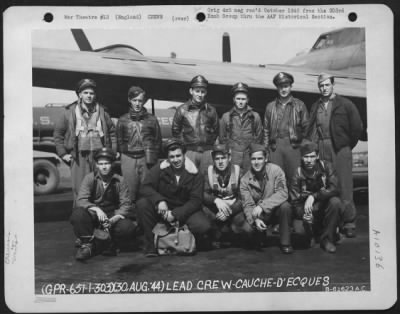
[{"x": 173, "y": 240}]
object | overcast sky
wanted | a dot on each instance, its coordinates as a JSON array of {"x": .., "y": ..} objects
[{"x": 252, "y": 46}]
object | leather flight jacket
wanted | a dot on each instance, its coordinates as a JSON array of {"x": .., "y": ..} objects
[
  {"x": 298, "y": 122},
  {"x": 197, "y": 126}
]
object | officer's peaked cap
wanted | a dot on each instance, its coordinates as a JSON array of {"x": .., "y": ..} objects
[
  {"x": 240, "y": 87},
  {"x": 220, "y": 148},
  {"x": 105, "y": 152},
  {"x": 174, "y": 143},
  {"x": 199, "y": 81},
  {"x": 283, "y": 77},
  {"x": 85, "y": 83},
  {"x": 307, "y": 147}
]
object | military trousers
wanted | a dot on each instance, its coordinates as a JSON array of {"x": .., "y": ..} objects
[
  {"x": 286, "y": 156},
  {"x": 242, "y": 159},
  {"x": 84, "y": 222},
  {"x": 197, "y": 223},
  {"x": 201, "y": 159},
  {"x": 325, "y": 219},
  {"x": 342, "y": 162},
  {"x": 134, "y": 171},
  {"x": 281, "y": 215},
  {"x": 79, "y": 169},
  {"x": 236, "y": 223}
]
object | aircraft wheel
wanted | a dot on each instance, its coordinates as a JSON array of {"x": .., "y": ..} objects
[{"x": 45, "y": 176}]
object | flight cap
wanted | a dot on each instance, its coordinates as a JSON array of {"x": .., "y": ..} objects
[
  {"x": 135, "y": 91},
  {"x": 324, "y": 76},
  {"x": 199, "y": 81},
  {"x": 220, "y": 148},
  {"x": 240, "y": 88},
  {"x": 283, "y": 77},
  {"x": 308, "y": 147},
  {"x": 85, "y": 83},
  {"x": 257, "y": 148},
  {"x": 174, "y": 143},
  {"x": 106, "y": 153}
]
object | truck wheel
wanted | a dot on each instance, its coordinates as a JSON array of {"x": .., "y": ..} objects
[{"x": 45, "y": 176}]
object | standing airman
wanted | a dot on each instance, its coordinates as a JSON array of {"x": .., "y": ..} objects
[
  {"x": 336, "y": 126},
  {"x": 196, "y": 123},
  {"x": 139, "y": 141},
  {"x": 241, "y": 126},
  {"x": 285, "y": 124},
  {"x": 83, "y": 129}
]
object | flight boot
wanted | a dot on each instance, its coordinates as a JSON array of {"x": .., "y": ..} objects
[{"x": 86, "y": 250}]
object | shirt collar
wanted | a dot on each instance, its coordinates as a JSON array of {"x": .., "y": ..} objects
[
  {"x": 331, "y": 97},
  {"x": 291, "y": 100},
  {"x": 85, "y": 108},
  {"x": 98, "y": 176},
  {"x": 192, "y": 105},
  {"x": 265, "y": 176},
  {"x": 235, "y": 111}
]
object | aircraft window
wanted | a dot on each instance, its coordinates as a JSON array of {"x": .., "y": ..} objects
[
  {"x": 345, "y": 37},
  {"x": 324, "y": 42}
]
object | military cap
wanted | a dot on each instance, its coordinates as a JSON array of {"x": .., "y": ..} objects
[
  {"x": 240, "y": 88},
  {"x": 85, "y": 83},
  {"x": 325, "y": 76},
  {"x": 199, "y": 81},
  {"x": 135, "y": 91},
  {"x": 220, "y": 148},
  {"x": 174, "y": 143},
  {"x": 257, "y": 148},
  {"x": 105, "y": 152},
  {"x": 308, "y": 147},
  {"x": 283, "y": 77}
]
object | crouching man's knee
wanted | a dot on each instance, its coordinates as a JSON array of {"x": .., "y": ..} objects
[
  {"x": 241, "y": 225},
  {"x": 199, "y": 223},
  {"x": 124, "y": 229}
]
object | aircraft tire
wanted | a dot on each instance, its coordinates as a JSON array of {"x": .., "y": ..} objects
[{"x": 45, "y": 176}]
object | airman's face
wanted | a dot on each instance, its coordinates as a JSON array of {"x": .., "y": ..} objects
[
  {"x": 326, "y": 88},
  {"x": 221, "y": 161},
  {"x": 284, "y": 89},
  {"x": 137, "y": 103},
  {"x": 88, "y": 96},
  {"x": 104, "y": 166},
  {"x": 198, "y": 94},
  {"x": 258, "y": 161},
  {"x": 240, "y": 100},
  {"x": 176, "y": 158},
  {"x": 309, "y": 160}
]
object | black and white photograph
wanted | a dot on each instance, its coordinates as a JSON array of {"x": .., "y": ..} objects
[{"x": 224, "y": 153}]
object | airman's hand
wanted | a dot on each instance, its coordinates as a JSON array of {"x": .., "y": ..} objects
[
  {"x": 221, "y": 216},
  {"x": 168, "y": 216},
  {"x": 67, "y": 158},
  {"x": 100, "y": 214},
  {"x": 260, "y": 225},
  {"x": 308, "y": 206},
  {"x": 115, "y": 218},
  {"x": 223, "y": 207},
  {"x": 162, "y": 208},
  {"x": 257, "y": 211}
]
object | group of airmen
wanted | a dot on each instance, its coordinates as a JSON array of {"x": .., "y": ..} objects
[{"x": 227, "y": 179}]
